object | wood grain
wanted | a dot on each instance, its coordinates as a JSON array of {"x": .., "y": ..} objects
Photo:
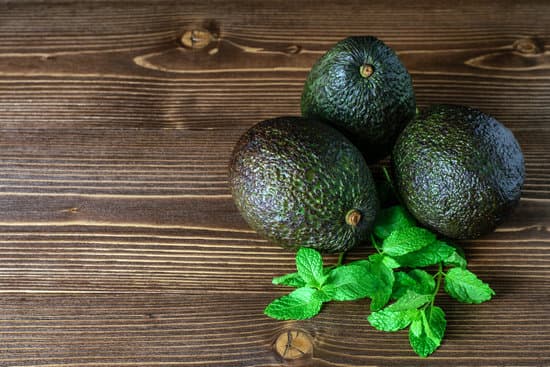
[{"x": 119, "y": 242}]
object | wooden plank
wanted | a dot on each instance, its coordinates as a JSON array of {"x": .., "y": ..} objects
[
  {"x": 119, "y": 241},
  {"x": 133, "y": 64},
  {"x": 229, "y": 330},
  {"x": 123, "y": 254}
]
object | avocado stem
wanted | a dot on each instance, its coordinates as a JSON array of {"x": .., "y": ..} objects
[
  {"x": 353, "y": 217},
  {"x": 366, "y": 70}
]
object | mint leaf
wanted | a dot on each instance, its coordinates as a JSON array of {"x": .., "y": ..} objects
[
  {"x": 379, "y": 280},
  {"x": 391, "y": 219},
  {"x": 392, "y": 320},
  {"x": 456, "y": 259},
  {"x": 432, "y": 254},
  {"x": 405, "y": 240},
  {"x": 302, "y": 303},
  {"x": 291, "y": 280},
  {"x": 402, "y": 283},
  {"x": 466, "y": 287},
  {"x": 348, "y": 283},
  {"x": 427, "y": 330},
  {"x": 417, "y": 325},
  {"x": 387, "y": 260},
  {"x": 380, "y": 283},
  {"x": 310, "y": 266},
  {"x": 410, "y": 300},
  {"x": 416, "y": 280}
]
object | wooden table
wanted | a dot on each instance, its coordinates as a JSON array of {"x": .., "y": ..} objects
[{"x": 120, "y": 243}]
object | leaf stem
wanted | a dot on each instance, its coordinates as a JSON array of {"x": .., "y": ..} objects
[
  {"x": 438, "y": 284},
  {"x": 341, "y": 258},
  {"x": 387, "y": 175},
  {"x": 374, "y": 244},
  {"x": 390, "y": 182}
]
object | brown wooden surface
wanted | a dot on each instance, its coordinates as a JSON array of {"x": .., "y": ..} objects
[{"x": 119, "y": 242}]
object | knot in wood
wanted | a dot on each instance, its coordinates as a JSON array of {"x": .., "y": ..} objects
[
  {"x": 293, "y": 49},
  {"x": 196, "y": 38},
  {"x": 528, "y": 46},
  {"x": 294, "y": 344}
]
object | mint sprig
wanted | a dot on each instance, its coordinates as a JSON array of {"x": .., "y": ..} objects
[
  {"x": 317, "y": 284},
  {"x": 415, "y": 291},
  {"x": 402, "y": 294}
]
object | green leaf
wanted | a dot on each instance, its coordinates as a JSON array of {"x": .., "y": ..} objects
[
  {"x": 417, "y": 325},
  {"x": 432, "y": 254},
  {"x": 302, "y": 303},
  {"x": 402, "y": 283},
  {"x": 310, "y": 266},
  {"x": 410, "y": 300},
  {"x": 387, "y": 260},
  {"x": 291, "y": 280},
  {"x": 466, "y": 287},
  {"x": 427, "y": 331},
  {"x": 379, "y": 280},
  {"x": 406, "y": 240},
  {"x": 348, "y": 283},
  {"x": 392, "y": 320},
  {"x": 416, "y": 280},
  {"x": 456, "y": 259},
  {"x": 362, "y": 262},
  {"x": 391, "y": 219},
  {"x": 381, "y": 283}
]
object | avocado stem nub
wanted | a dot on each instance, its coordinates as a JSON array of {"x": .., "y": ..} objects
[
  {"x": 353, "y": 217},
  {"x": 366, "y": 70}
]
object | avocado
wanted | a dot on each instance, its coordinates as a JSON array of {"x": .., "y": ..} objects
[
  {"x": 300, "y": 183},
  {"x": 361, "y": 87},
  {"x": 458, "y": 170}
]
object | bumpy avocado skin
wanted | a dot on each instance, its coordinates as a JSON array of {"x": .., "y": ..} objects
[
  {"x": 370, "y": 111},
  {"x": 458, "y": 170},
  {"x": 294, "y": 180}
]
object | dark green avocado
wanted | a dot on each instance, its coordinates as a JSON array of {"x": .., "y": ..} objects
[
  {"x": 458, "y": 170},
  {"x": 299, "y": 182},
  {"x": 361, "y": 87}
]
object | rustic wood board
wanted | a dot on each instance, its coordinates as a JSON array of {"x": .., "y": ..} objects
[{"x": 119, "y": 242}]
